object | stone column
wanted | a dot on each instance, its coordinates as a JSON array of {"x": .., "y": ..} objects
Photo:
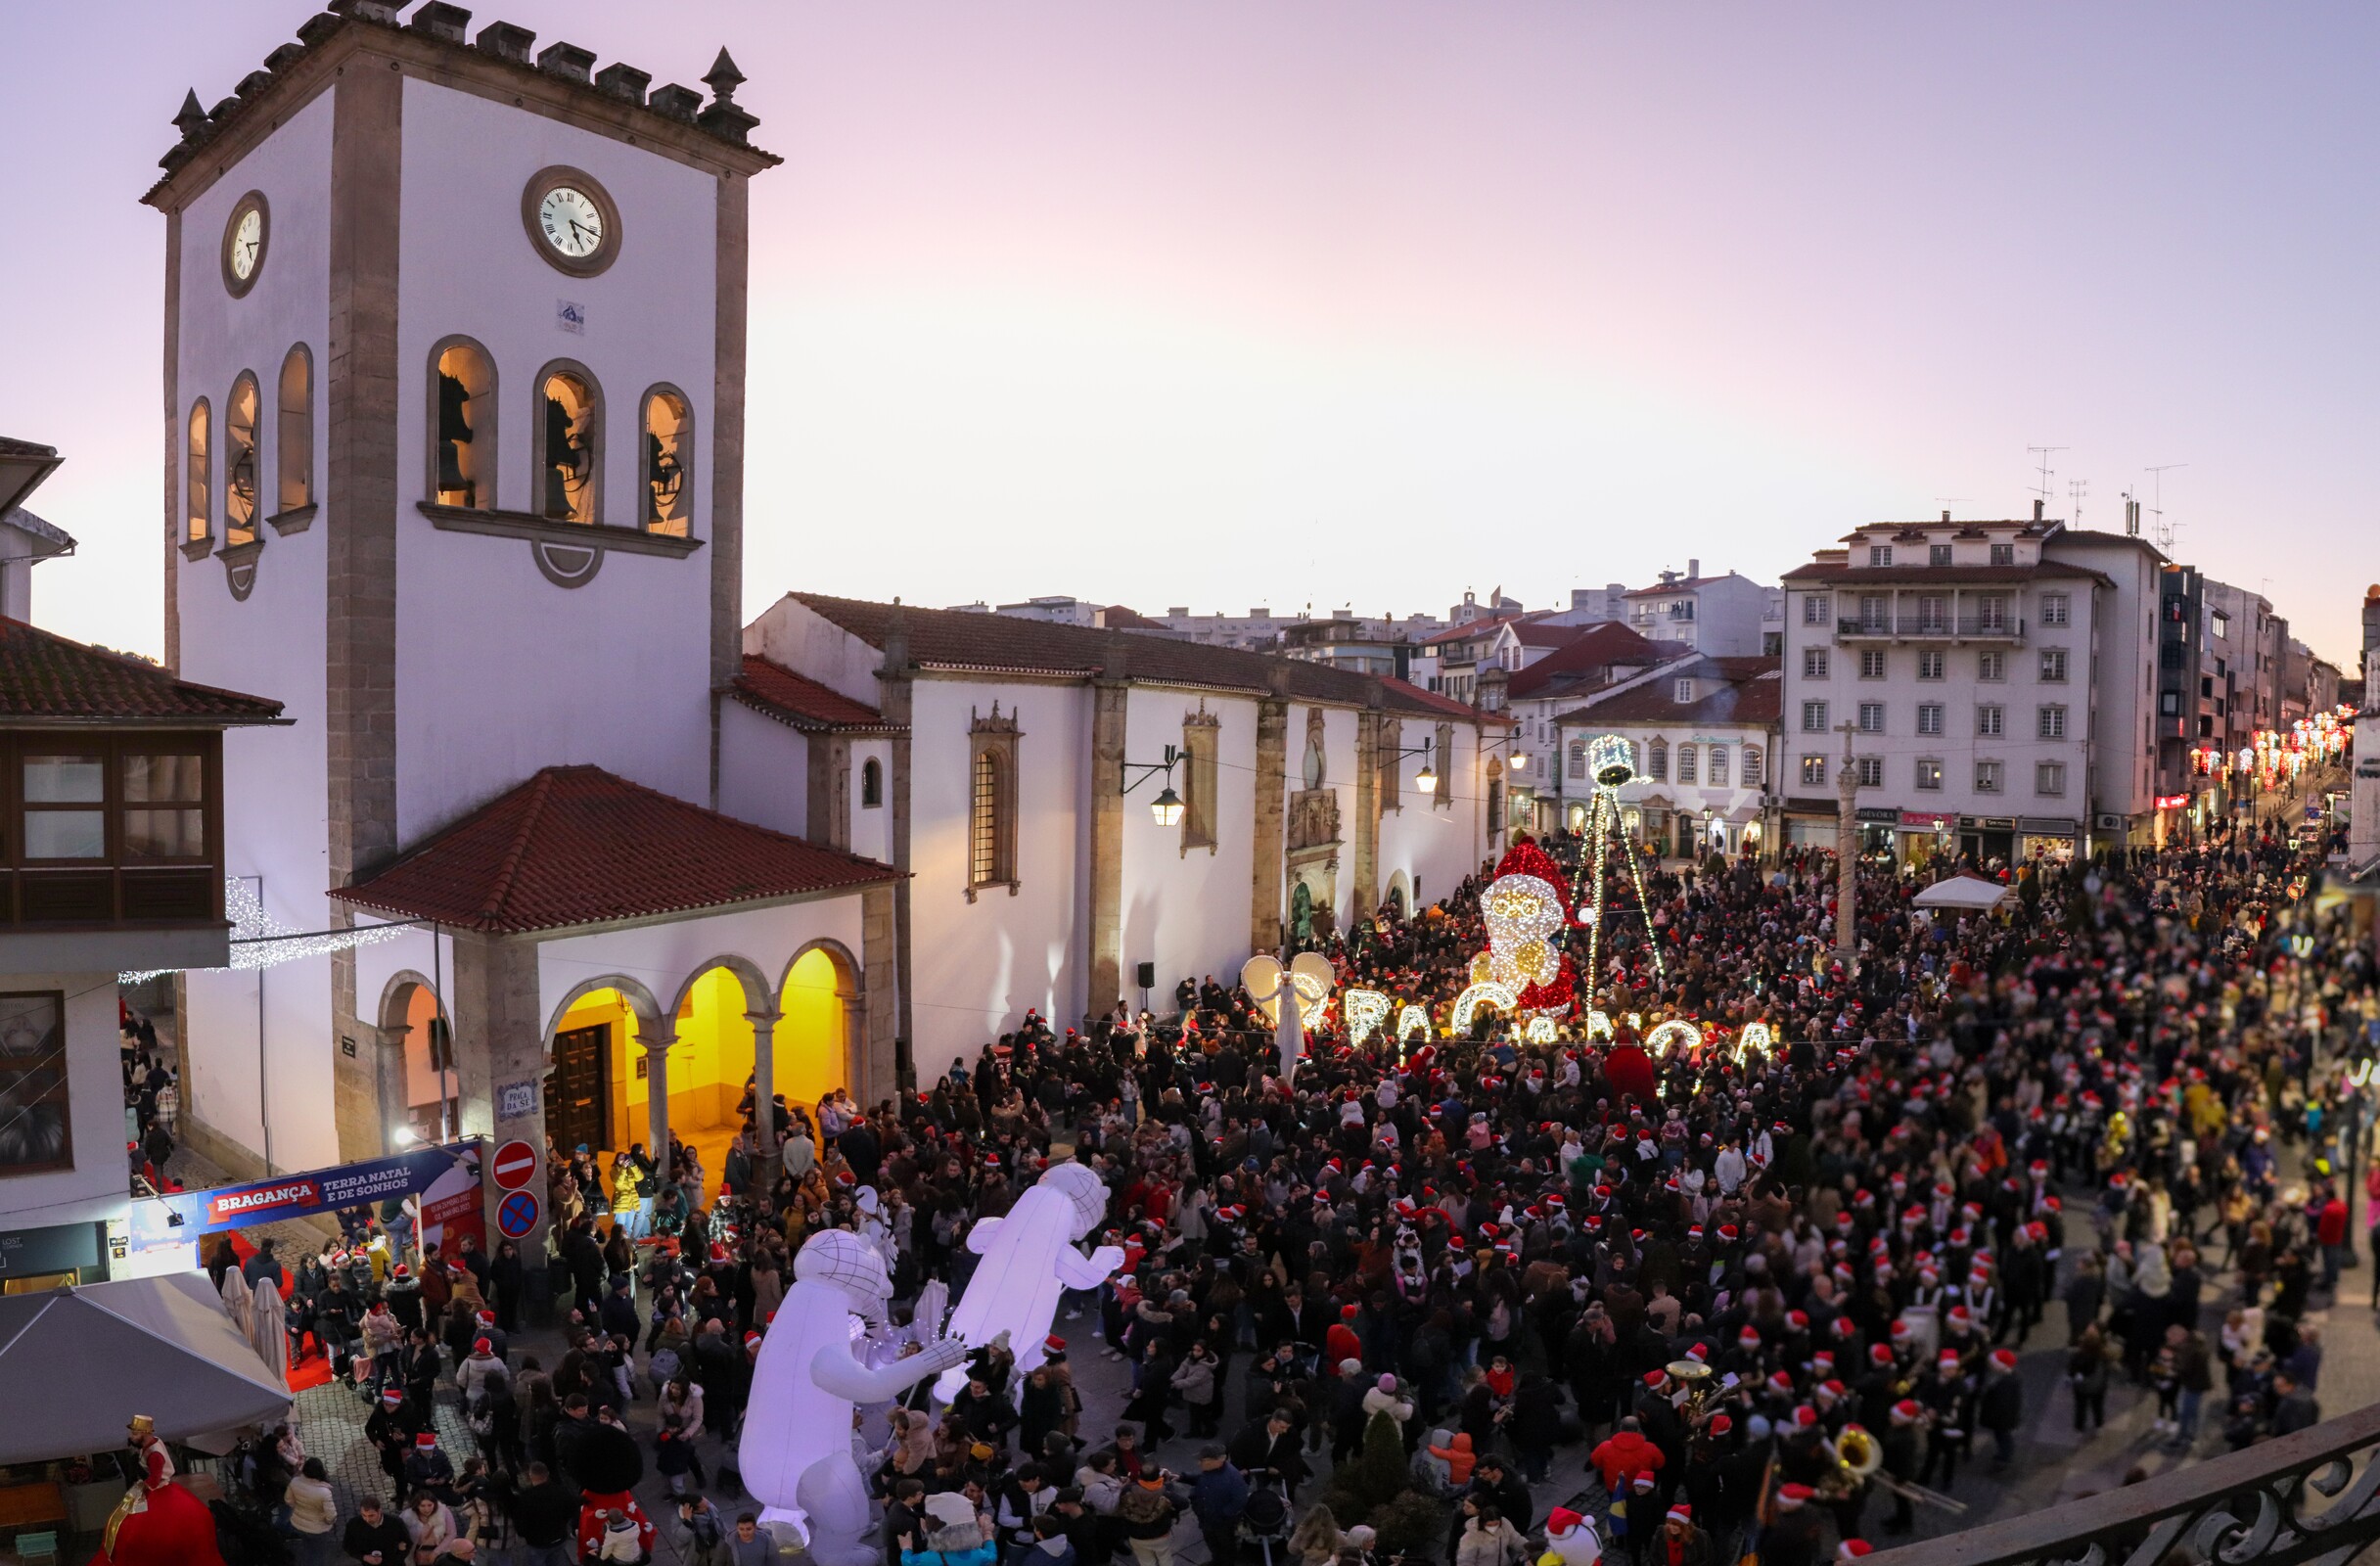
[
  {"x": 500, "y": 1060},
  {"x": 1104, "y": 987},
  {"x": 897, "y": 701},
  {"x": 1271, "y": 801},
  {"x": 657, "y": 1089},
  {"x": 829, "y": 806},
  {"x": 872, "y": 1019},
  {"x": 764, "y": 1085},
  {"x": 1365, "y": 893},
  {"x": 389, "y": 1082}
]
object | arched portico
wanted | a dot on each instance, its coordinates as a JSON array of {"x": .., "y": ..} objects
[
  {"x": 608, "y": 1036},
  {"x": 415, "y": 1074},
  {"x": 822, "y": 1041}
]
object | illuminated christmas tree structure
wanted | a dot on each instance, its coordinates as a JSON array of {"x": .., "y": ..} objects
[{"x": 1611, "y": 761}]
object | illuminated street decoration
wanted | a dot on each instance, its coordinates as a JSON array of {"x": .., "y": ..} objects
[
  {"x": 1541, "y": 1029},
  {"x": 261, "y": 940},
  {"x": 1611, "y": 762},
  {"x": 1755, "y": 1036},
  {"x": 1411, "y": 1021},
  {"x": 1285, "y": 993},
  {"x": 1482, "y": 992},
  {"x": 1365, "y": 1010},
  {"x": 1674, "y": 1032}
]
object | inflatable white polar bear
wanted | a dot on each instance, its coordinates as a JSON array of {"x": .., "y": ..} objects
[
  {"x": 1029, "y": 1259},
  {"x": 797, "y": 1448}
]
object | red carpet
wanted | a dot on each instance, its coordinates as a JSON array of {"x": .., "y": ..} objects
[{"x": 313, "y": 1370}]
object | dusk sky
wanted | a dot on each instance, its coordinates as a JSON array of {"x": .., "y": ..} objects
[{"x": 1367, "y": 302}]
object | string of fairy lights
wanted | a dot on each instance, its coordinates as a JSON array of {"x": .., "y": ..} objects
[{"x": 261, "y": 940}]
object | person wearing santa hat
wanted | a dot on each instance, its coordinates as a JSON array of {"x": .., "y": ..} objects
[
  {"x": 1897, "y": 1446},
  {"x": 1791, "y": 1537},
  {"x": 2001, "y": 1405},
  {"x": 1571, "y": 1539}
]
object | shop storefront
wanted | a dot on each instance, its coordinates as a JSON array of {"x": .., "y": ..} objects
[
  {"x": 1986, "y": 838},
  {"x": 1925, "y": 835},
  {"x": 2047, "y": 837},
  {"x": 50, "y": 1257},
  {"x": 1809, "y": 823},
  {"x": 1878, "y": 825}
]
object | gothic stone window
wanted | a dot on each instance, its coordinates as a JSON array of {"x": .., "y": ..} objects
[
  {"x": 1391, "y": 765},
  {"x": 463, "y": 425},
  {"x": 239, "y": 471},
  {"x": 667, "y": 473},
  {"x": 294, "y": 435},
  {"x": 871, "y": 784},
  {"x": 1443, "y": 763},
  {"x": 1201, "y": 732},
  {"x": 568, "y": 433},
  {"x": 991, "y": 808}
]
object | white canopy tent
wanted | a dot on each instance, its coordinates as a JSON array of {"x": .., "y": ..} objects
[
  {"x": 1962, "y": 893},
  {"x": 78, "y": 1363}
]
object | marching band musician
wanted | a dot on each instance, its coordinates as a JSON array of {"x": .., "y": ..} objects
[{"x": 1900, "y": 1445}]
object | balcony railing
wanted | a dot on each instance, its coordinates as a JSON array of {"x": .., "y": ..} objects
[
  {"x": 2305, "y": 1497},
  {"x": 1945, "y": 627}
]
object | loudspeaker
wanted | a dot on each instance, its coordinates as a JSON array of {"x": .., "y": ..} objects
[{"x": 1148, "y": 975}]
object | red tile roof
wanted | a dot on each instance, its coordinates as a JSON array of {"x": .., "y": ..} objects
[
  {"x": 1843, "y": 574},
  {"x": 45, "y": 678},
  {"x": 798, "y": 700},
  {"x": 1750, "y": 690},
  {"x": 1482, "y": 625},
  {"x": 959, "y": 640},
  {"x": 1415, "y": 696},
  {"x": 1583, "y": 658},
  {"x": 577, "y": 846}
]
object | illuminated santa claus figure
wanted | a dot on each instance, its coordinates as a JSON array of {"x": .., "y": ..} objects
[
  {"x": 158, "y": 1523},
  {"x": 1030, "y": 1257}
]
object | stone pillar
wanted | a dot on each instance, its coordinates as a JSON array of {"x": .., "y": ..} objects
[
  {"x": 656, "y": 1089},
  {"x": 897, "y": 701},
  {"x": 829, "y": 806},
  {"x": 390, "y": 1087},
  {"x": 1365, "y": 893},
  {"x": 764, "y": 1085},
  {"x": 872, "y": 1019},
  {"x": 500, "y": 1058},
  {"x": 1105, "y": 987},
  {"x": 1271, "y": 802}
]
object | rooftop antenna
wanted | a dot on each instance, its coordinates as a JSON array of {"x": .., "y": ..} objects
[
  {"x": 2076, "y": 490},
  {"x": 2161, "y": 532},
  {"x": 2131, "y": 515},
  {"x": 1946, "y": 502},
  {"x": 2044, "y": 454}
]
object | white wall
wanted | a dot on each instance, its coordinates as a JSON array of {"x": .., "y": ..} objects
[
  {"x": 977, "y": 967},
  {"x": 275, "y": 780},
  {"x": 763, "y": 770},
  {"x": 96, "y": 1186},
  {"x": 1434, "y": 847},
  {"x": 2124, "y": 672},
  {"x": 790, "y": 633},
  {"x": 616, "y": 672},
  {"x": 1187, "y": 911}
]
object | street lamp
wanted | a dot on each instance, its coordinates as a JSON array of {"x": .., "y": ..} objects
[
  {"x": 1167, "y": 807},
  {"x": 1425, "y": 779}
]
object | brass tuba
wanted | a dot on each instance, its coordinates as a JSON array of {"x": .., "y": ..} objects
[
  {"x": 1859, "y": 1453},
  {"x": 1697, "y": 1376}
]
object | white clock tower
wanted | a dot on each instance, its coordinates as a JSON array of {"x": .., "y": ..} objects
[{"x": 454, "y": 402}]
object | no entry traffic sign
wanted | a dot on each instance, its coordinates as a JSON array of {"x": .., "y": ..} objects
[
  {"x": 517, "y": 1215},
  {"x": 515, "y": 1166}
]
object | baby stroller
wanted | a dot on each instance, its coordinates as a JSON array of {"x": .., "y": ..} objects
[{"x": 1266, "y": 1522}]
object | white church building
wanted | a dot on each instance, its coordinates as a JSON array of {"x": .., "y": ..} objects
[{"x": 454, "y": 384}]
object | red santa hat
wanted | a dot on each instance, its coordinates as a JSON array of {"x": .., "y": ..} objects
[
  {"x": 1804, "y": 1418},
  {"x": 1680, "y": 1513},
  {"x": 1054, "y": 1344},
  {"x": 486, "y": 1318},
  {"x": 1853, "y": 1548},
  {"x": 1793, "y": 1496},
  {"x": 1719, "y": 1424},
  {"x": 2004, "y": 1359},
  {"x": 1560, "y": 1520},
  {"x": 483, "y": 1345},
  {"x": 1908, "y": 1412},
  {"x": 1654, "y": 1378},
  {"x": 1749, "y": 1338},
  {"x": 1881, "y": 1353},
  {"x": 402, "y": 1271},
  {"x": 425, "y": 1440}
]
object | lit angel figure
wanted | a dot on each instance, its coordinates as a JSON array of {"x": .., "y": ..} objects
[{"x": 1029, "y": 1258}]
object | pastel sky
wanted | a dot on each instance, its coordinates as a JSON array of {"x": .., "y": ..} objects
[{"x": 1367, "y": 302}]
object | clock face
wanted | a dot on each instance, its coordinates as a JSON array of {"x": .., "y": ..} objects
[
  {"x": 246, "y": 244},
  {"x": 571, "y": 222}
]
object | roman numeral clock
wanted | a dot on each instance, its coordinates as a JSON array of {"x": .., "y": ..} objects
[{"x": 572, "y": 219}]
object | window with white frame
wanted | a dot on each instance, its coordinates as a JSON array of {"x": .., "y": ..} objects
[
  {"x": 1929, "y": 775},
  {"x": 1756, "y": 767},
  {"x": 2004, "y": 554},
  {"x": 2055, "y": 607},
  {"x": 1686, "y": 763},
  {"x": 2054, "y": 666},
  {"x": 1938, "y": 554},
  {"x": 1872, "y": 772},
  {"x": 1989, "y": 722},
  {"x": 1718, "y": 766},
  {"x": 1813, "y": 772},
  {"x": 1880, "y": 554},
  {"x": 1813, "y": 717},
  {"x": 1929, "y": 717},
  {"x": 1930, "y": 663},
  {"x": 1986, "y": 777},
  {"x": 1816, "y": 608},
  {"x": 1991, "y": 665},
  {"x": 2050, "y": 722},
  {"x": 2050, "y": 778},
  {"x": 1682, "y": 691},
  {"x": 1813, "y": 662},
  {"x": 1657, "y": 761},
  {"x": 1871, "y": 663},
  {"x": 1991, "y": 611},
  {"x": 1871, "y": 717},
  {"x": 1578, "y": 759}
]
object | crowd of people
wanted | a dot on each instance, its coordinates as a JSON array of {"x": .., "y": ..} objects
[{"x": 1695, "y": 1270}]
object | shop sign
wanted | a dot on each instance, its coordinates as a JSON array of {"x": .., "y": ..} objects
[
  {"x": 2000, "y": 823},
  {"x": 59, "y": 1247},
  {"x": 1926, "y": 820},
  {"x": 2047, "y": 826},
  {"x": 2173, "y": 801},
  {"x": 1878, "y": 815}
]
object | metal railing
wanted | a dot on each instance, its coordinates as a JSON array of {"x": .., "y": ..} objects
[
  {"x": 2304, "y": 1497},
  {"x": 1947, "y": 626}
]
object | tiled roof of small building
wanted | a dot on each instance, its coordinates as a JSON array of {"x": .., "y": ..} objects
[
  {"x": 1747, "y": 691},
  {"x": 578, "y": 845},
  {"x": 50, "y": 678},
  {"x": 800, "y": 701}
]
